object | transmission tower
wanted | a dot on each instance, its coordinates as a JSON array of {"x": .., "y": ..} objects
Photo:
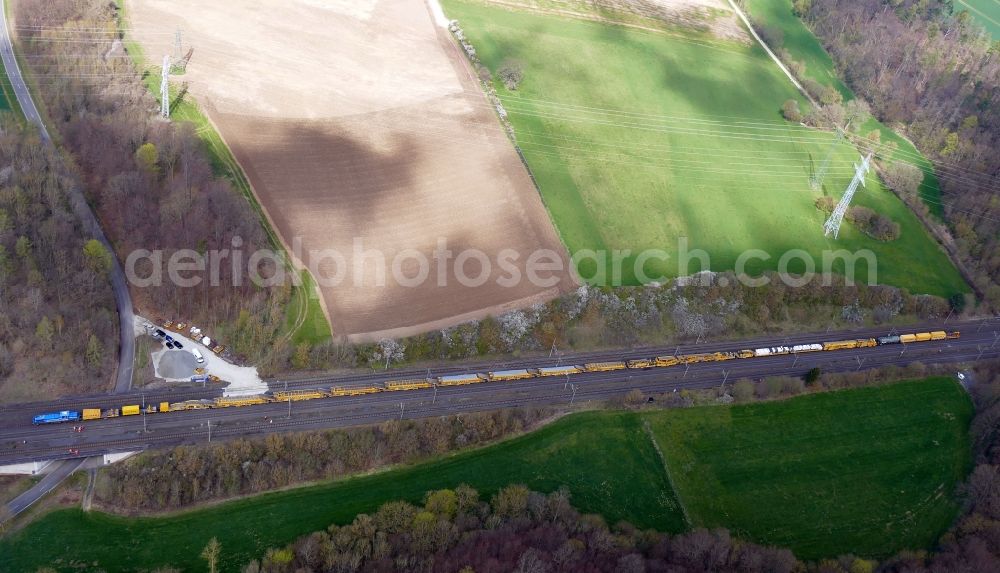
[
  {"x": 165, "y": 88},
  {"x": 816, "y": 181},
  {"x": 832, "y": 224}
]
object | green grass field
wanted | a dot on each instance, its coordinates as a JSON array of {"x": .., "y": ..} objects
[
  {"x": 823, "y": 474},
  {"x": 639, "y": 164},
  {"x": 806, "y": 48},
  {"x": 623, "y": 479},
  {"x": 986, "y": 12},
  {"x": 868, "y": 471}
]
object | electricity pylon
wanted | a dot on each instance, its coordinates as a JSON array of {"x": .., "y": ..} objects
[
  {"x": 832, "y": 224},
  {"x": 165, "y": 88}
]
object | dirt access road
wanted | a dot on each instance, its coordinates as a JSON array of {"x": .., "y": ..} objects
[{"x": 359, "y": 123}]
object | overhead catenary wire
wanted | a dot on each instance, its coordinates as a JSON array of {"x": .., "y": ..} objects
[{"x": 515, "y": 100}]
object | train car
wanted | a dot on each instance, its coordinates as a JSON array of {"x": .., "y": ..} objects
[
  {"x": 938, "y": 335},
  {"x": 337, "y": 391},
  {"x": 296, "y": 395},
  {"x": 164, "y": 406},
  {"x": 604, "y": 366},
  {"x": 462, "y": 379},
  {"x": 415, "y": 384},
  {"x": 559, "y": 370},
  {"x": 848, "y": 344},
  {"x": 772, "y": 351},
  {"x": 807, "y": 348},
  {"x": 190, "y": 405},
  {"x": 716, "y": 356},
  {"x": 508, "y": 375},
  {"x": 56, "y": 417},
  {"x": 91, "y": 413},
  {"x": 640, "y": 364},
  {"x": 664, "y": 361},
  {"x": 132, "y": 410},
  {"x": 891, "y": 339},
  {"x": 745, "y": 353},
  {"x": 237, "y": 401}
]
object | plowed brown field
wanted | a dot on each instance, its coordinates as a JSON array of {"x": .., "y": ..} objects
[{"x": 360, "y": 125}]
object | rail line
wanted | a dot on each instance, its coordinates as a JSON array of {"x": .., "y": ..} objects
[{"x": 636, "y": 360}]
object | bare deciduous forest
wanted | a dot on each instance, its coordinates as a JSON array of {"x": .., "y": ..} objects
[
  {"x": 58, "y": 326},
  {"x": 190, "y": 475},
  {"x": 149, "y": 179},
  {"x": 935, "y": 76}
]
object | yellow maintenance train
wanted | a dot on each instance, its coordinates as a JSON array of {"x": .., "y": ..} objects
[{"x": 497, "y": 376}]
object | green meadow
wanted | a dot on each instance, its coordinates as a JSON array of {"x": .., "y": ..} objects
[
  {"x": 643, "y": 139},
  {"x": 823, "y": 474}
]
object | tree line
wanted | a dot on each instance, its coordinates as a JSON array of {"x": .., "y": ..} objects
[
  {"x": 149, "y": 180},
  {"x": 714, "y": 305},
  {"x": 932, "y": 73},
  {"x": 163, "y": 480},
  {"x": 58, "y": 324}
]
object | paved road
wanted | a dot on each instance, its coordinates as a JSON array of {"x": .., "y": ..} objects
[
  {"x": 979, "y": 340},
  {"x": 126, "y": 350},
  {"x": 59, "y": 471}
]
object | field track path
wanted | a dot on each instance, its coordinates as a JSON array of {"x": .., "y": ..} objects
[{"x": 666, "y": 471}]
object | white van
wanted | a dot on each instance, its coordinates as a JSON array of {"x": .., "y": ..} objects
[{"x": 198, "y": 356}]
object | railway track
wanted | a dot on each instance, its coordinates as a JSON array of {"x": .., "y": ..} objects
[{"x": 124, "y": 434}]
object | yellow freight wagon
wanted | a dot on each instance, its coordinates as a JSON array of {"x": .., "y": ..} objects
[
  {"x": 417, "y": 384},
  {"x": 91, "y": 413},
  {"x": 604, "y": 366},
  {"x": 132, "y": 410},
  {"x": 907, "y": 338},
  {"x": 460, "y": 379},
  {"x": 508, "y": 375},
  {"x": 641, "y": 363},
  {"x": 357, "y": 391},
  {"x": 662, "y": 361},
  {"x": 296, "y": 395},
  {"x": 846, "y": 344},
  {"x": 164, "y": 406},
  {"x": 939, "y": 335},
  {"x": 558, "y": 370},
  {"x": 745, "y": 354},
  {"x": 240, "y": 401},
  {"x": 191, "y": 405}
]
